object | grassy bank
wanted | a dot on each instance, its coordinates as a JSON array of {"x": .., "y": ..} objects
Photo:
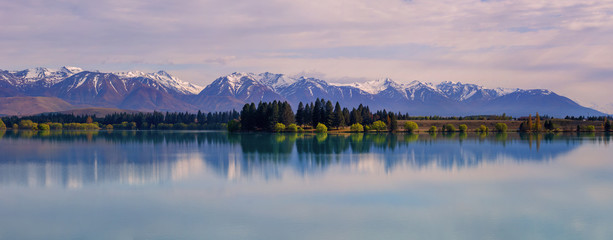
[{"x": 564, "y": 125}]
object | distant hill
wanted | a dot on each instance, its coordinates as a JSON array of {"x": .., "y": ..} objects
[
  {"x": 163, "y": 92},
  {"x": 32, "y": 105},
  {"x": 97, "y": 111},
  {"x": 22, "y": 106}
]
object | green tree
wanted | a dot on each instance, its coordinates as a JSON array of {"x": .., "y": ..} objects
[
  {"x": 378, "y": 126},
  {"x": 411, "y": 126},
  {"x": 607, "y": 125},
  {"x": 43, "y": 127},
  {"x": 55, "y": 126},
  {"x": 28, "y": 125},
  {"x": 537, "y": 124},
  {"x": 234, "y": 125},
  {"x": 463, "y": 127},
  {"x": 501, "y": 127},
  {"x": 292, "y": 128},
  {"x": 529, "y": 127},
  {"x": 356, "y": 127},
  {"x": 2, "y": 125},
  {"x": 449, "y": 128},
  {"x": 548, "y": 125},
  {"x": 321, "y": 128},
  {"x": 483, "y": 129},
  {"x": 432, "y": 129},
  {"x": 279, "y": 127},
  {"x": 590, "y": 128}
]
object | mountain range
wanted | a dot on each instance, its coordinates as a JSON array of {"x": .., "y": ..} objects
[{"x": 72, "y": 88}]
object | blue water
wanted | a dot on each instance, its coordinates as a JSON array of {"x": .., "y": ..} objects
[{"x": 215, "y": 185}]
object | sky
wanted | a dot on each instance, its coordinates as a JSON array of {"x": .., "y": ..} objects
[{"x": 561, "y": 45}]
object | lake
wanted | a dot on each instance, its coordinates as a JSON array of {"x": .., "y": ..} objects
[{"x": 217, "y": 185}]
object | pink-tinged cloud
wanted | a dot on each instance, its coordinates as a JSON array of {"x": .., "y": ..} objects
[{"x": 560, "y": 45}]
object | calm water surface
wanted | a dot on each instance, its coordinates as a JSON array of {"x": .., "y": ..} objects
[{"x": 215, "y": 185}]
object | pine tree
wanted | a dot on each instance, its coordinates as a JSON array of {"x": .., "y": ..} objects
[
  {"x": 537, "y": 126},
  {"x": 261, "y": 117},
  {"x": 300, "y": 114},
  {"x": 393, "y": 126},
  {"x": 337, "y": 117},
  {"x": 367, "y": 116},
  {"x": 355, "y": 117},
  {"x": 307, "y": 118},
  {"x": 329, "y": 113},
  {"x": 607, "y": 124},
  {"x": 287, "y": 115},
  {"x": 345, "y": 117},
  {"x": 274, "y": 114},
  {"x": 316, "y": 113},
  {"x": 530, "y": 123},
  {"x": 246, "y": 122}
]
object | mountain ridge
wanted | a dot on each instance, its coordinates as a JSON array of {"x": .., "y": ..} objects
[{"x": 163, "y": 92}]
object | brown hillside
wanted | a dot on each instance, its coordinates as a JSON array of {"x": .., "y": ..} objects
[
  {"x": 100, "y": 112},
  {"x": 32, "y": 105}
]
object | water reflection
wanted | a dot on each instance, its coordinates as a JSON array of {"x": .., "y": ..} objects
[{"x": 76, "y": 158}]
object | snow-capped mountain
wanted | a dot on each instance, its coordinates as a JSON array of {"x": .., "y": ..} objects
[
  {"x": 42, "y": 77},
  {"x": 162, "y": 81},
  {"x": 275, "y": 81},
  {"x": 416, "y": 98},
  {"x": 132, "y": 90},
  {"x": 309, "y": 89},
  {"x": 164, "y": 92},
  {"x": 234, "y": 90}
]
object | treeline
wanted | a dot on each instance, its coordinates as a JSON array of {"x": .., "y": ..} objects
[
  {"x": 321, "y": 114},
  {"x": 548, "y": 125},
  {"x": 141, "y": 121},
  {"x": 591, "y": 118},
  {"x": 168, "y": 120},
  {"x": 266, "y": 116},
  {"x": 475, "y": 117}
]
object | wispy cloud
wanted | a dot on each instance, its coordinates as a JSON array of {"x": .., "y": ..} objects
[{"x": 522, "y": 43}]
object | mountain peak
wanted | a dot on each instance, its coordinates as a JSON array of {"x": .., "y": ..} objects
[
  {"x": 378, "y": 85},
  {"x": 71, "y": 70},
  {"x": 130, "y": 74},
  {"x": 164, "y": 73},
  {"x": 275, "y": 80},
  {"x": 162, "y": 80}
]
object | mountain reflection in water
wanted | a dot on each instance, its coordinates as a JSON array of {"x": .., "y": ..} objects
[{"x": 75, "y": 158}]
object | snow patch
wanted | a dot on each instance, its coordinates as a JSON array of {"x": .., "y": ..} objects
[
  {"x": 505, "y": 91},
  {"x": 163, "y": 81}
]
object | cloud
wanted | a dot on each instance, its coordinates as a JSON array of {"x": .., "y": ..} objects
[
  {"x": 519, "y": 43},
  {"x": 220, "y": 60}
]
